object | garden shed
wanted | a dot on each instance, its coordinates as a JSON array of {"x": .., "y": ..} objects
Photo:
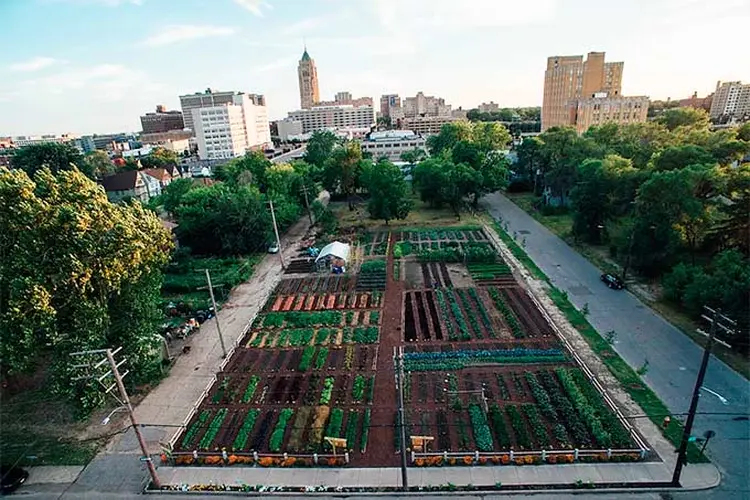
[{"x": 336, "y": 253}]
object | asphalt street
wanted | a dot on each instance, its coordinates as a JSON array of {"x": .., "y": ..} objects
[{"x": 644, "y": 336}]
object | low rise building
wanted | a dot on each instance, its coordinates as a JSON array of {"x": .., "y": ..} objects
[
  {"x": 355, "y": 119},
  {"x": 162, "y": 121},
  {"x": 422, "y": 105},
  {"x": 427, "y": 125},
  {"x": 488, "y": 107},
  {"x": 31, "y": 140},
  {"x": 131, "y": 184},
  {"x": 289, "y": 129},
  {"x": 601, "y": 109},
  {"x": 392, "y": 143}
]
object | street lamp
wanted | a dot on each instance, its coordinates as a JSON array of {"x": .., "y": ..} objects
[
  {"x": 106, "y": 419},
  {"x": 723, "y": 400}
]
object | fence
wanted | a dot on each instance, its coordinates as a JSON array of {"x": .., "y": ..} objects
[
  {"x": 263, "y": 459},
  {"x": 531, "y": 457}
]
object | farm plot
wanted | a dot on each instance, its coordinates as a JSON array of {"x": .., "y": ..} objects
[
  {"x": 460, "y": 314},
  {"x": 375, "y": 243},
  {"x": 372, "y": 275},
  {"x": 532, "y": 408},
  {"x": 300, "y": 266},
  {"x": 323, "y": 301},
  {"x": 316, "y": 284},
  {"x": 520, "y": 313},
  {"x": 496, "y": 274}
]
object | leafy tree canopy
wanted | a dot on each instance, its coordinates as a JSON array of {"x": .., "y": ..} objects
[
  {"x": 54, "y": 156},
  {"x": 389, "y": 192}
]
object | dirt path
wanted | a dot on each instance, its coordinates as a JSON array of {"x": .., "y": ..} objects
[
  {"x": 169, "y": 403},
  {"x": 381, "y": 438}
]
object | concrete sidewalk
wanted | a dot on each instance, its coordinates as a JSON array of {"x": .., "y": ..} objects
[{"x": 694, "y": 477}]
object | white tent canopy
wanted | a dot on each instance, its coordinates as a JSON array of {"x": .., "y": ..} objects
[{"x": 335, "y": 249}]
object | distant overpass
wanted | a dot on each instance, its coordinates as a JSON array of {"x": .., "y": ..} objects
[{"x": 291, "y": 155}]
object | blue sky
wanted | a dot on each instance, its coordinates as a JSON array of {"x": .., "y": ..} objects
[{"x": 85, "y": 66}]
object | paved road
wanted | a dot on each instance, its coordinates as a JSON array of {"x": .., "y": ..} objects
[
  {"x": 291, "y": 155},
  {"x": 673, "y": 359}
]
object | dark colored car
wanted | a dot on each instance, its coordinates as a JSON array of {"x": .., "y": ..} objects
[
  {"x": 613, "y": 281},
  {"x": 12, "y": 478}
]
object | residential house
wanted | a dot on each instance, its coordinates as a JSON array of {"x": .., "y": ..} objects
[
  {"x": 131, "y": 185},
  {"x": 160, "y": 174}
]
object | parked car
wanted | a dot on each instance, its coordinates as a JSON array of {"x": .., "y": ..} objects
[
  {"x": 12, "y": 478},
  {"x": 273, "y": 248},
  {"x": 613, "y": 281}
]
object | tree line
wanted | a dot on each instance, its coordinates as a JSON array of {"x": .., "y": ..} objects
[{"x": 669, "y": 197}]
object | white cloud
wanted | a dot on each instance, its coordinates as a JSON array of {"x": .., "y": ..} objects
[
  {"x": 303, "y": 27},
  {"x": 396, "y": 15},
  {"x": 180, "y": 32},
  {"x": 254, "y": 6},
  {"x": 282, "y": 62},
  {"x": 104, "y": 82},
  {"x": 34, "y": 64}
]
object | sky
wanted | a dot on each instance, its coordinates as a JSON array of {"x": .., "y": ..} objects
[{"x": 94, "y": 66}]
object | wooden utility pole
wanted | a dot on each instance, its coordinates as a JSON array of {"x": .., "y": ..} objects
[
  {"x": 124, "y": 399},
  {"x": 276, "y": 231},
  {"x": 307, "y": 204},
  {"x": 716, "y": 319},
  {"x": 398, "y": 358},
  {"x": 216, "y": 314}
]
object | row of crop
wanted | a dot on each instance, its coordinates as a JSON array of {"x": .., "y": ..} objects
[
  {"x": 620, "y": 437},
  {"x": 458, "y": 359},
  {"x": 457, "y": 315},
  {"x": 510, "y": 318},
  {"x": 481, "y": 271},
  {"x": 297, "y": 319},
  {"x": 443, "y": 309},
  {"x": 549, "y": 411},
  {"x": 463, "y": 295},
  {"x": 483, "y": 314},
  {"x": 324, "y": 301},
  {"x": 459, "y": 252},
  {"x": 582, "y": 406},
  {"x": 299, "y": 337}
]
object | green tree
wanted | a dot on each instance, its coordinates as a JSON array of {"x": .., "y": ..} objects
[
  {"x": 171, "y": 196},
  {"x": 450, "y": 134},
  {"x": 490, "y": 136},
  {"x": 320, "y": 147},
  {"x": 78, "y": 272},
  {"x": 413, "y": 156},
  {"x": 684, "y": 117},
  {"x": 743, "y": 132},
  {"x": 343, "y": 169},
  {"x": 604, "y": 191},
  {"x": 676, "y": 157},
  {"x": 248, "y": 169},
  {"x": 99, "y": 164},
  {"x": 389, "y": 191},
  {"x": 53, "y": 156},
  {"x": 530, "y": 159},
  {"x": 563, "y": 151}
]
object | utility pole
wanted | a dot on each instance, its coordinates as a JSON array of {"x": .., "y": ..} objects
[
  {"x": 307, "y": 204},
  {"x": 124, "y": 399},
  {"x": 399, "y": 360},
  {"x": 216, "y": 314},
  {"x": 276, "y": 231},
  {"x": 716, "y": 319}
]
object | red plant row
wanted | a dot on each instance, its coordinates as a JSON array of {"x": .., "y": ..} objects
[{"x": 318, "y": 302}]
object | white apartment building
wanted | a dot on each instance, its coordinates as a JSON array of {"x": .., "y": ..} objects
[
  {"x": 344, "y": 117},
  {"x": 28, "y": 140},
  {"x": 425, "y": 105},
  {"x": 230, "y": 130},
  {"x": 730, "y": 99},
  {"x": 391, "y": 143}
]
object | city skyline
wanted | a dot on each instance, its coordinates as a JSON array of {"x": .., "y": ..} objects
[{"x": 91, "y": 78}]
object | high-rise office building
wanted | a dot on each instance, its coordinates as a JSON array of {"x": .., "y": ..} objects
[
  {"x": 344, "y": 117},
  {"x": 231, "y": 129},
  {"x": 387, "y": 102},
  {"x": 731, "y": 99},
  {"x": 583, "y": 93},
  {"x": 309, "y": 94},
  {"x": 202, "y": 99}
]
